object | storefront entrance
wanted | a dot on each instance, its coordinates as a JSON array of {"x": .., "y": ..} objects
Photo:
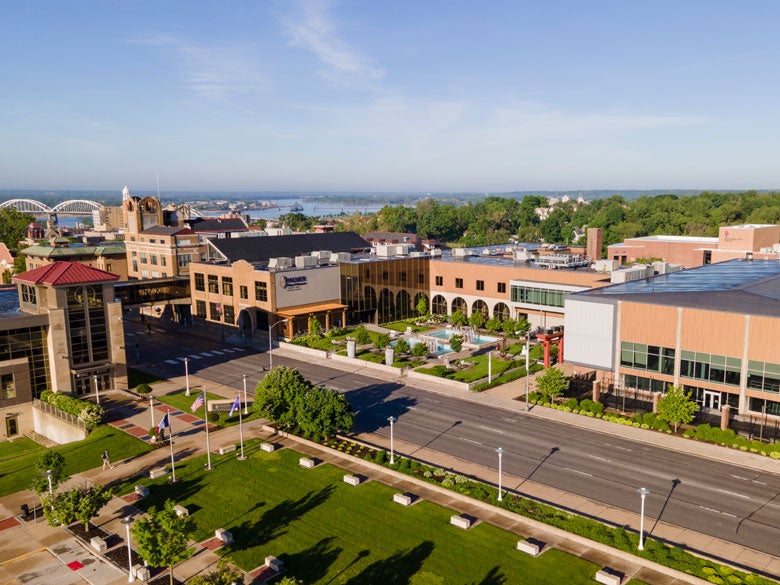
[{"x": 711, "y": 400}]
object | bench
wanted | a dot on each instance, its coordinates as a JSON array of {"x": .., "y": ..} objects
[
  {"x": 224, "y": 535},
  {"x": 273, "y": 563},
  {"x": 528, "y": 547},
  {"x": 224, "y": 449},
  {"x": 142, "y": 490},
  {"x": 181, "y": 511},
  {"x": 403, "y": 499},
  {"x": 99, "y": 544},
  {"x": 306, "y": 463},
  {"x": 607, "y": 577},
  {"x": 460, "y": 521},
  {"x": 267, "y": 447},
  {"x": 352, "y": 479},
  {"x": 158, "y": 472},
  {"x": 140, "y": 572}
]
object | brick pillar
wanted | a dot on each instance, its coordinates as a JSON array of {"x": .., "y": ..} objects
[
  {"x": 656, "y": 398},
  {"x": 546, "y": 354},
  {"x": 327, "y": 320},
  {"x": 725, "y": 411},
  {"x": 596, "y": 391},
  {"x": 560, "y": 350}
]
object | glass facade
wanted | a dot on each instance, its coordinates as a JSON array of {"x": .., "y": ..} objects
[
  {"x": 86, "y": 325},
  {"x": 546, "y": 297},
  {"x": 652, "y": 358},
  {"x": 30, "y": 344},
  {"x": 764, "y": 376},
  {"x": 642, "y": 383},
  {"x": 709, "y": 367}
]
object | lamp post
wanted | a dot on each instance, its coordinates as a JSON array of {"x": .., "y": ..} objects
[
  {"x": 643, "y": 494},
  {"x": 392, "y": 446},
  {"x": 186, "y": 376},
  {"x": 271, "y": 343},
  {"x": 500, "y": 452},
  {"x": 151, "y": 408},
  {"x": 127, "y": 520},
  {"x": 97, "y": 395},
  {"x": 490, "y": 367},
  {"x": 49, "y": 473},
  {"x": 527, "y": 373},
  {"x": 246, "y": 405}
]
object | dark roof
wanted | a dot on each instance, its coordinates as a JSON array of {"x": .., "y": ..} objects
[
  {"x": 164, "y": 230},
  {"x": 261, "y": 248},
  {"x": 65, "y": 273},
  {"x": 200, "y": 224},
  {"x": 749, "y": 287}
]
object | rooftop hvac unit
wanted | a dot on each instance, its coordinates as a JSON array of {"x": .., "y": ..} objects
[
  {"x": 416, "y": 254},
  {"x": 322, "y": 254},
  {"x": 282, "y": 262},
  {"x": 306, "y": 261},
  {"x": 460, "y": 252},
  {"x": 436, "y": 252},
  {"x": 340, "y": 257}
]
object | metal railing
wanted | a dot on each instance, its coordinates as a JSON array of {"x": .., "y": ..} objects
[{"x": 60, "y": 414}]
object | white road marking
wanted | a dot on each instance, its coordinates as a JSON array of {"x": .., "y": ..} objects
[
  {"x": 216, "y": 351},
  {"x": 194, "y": 357},
  {"x": 469, "y": 440},
  {"x": 238, "y": 349},
  {"x": 206, "y": 354},
  {"x": 492, "y": 430},
  {"x": 732, "y": 493},
  {"x": 578, "y": 471},
  {"x": 600, "y": 458},
  {"x": 181, "y": 359},
  {"x": 738, "y": 477},
  {"x": 759, "y": 482},
  {"x": 172, "y": 362}
]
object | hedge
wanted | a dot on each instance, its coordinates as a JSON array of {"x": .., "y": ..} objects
[{"x": 88, "y": 412}]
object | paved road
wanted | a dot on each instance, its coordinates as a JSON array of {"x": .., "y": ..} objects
[{"x": 708, "y": 496}]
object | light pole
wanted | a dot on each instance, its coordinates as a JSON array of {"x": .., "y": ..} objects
[
  {"x": 97, "y": 395},
  {"x": 127, "y": 520},
  {"x": 187, "y": 375},
  {"x": 151, "y": 408},
  {"x": 527, "y": 373},
  {"x": 246, "y": 405},
  {"x": 500, "y": 452},
  {"x": 643, "y": 494},
  {"x": 49, "y": 473},
  {"x": 271, "y": 343},
  {"x": 490, "y": 367},
  {"x": 392, "y": 446}
]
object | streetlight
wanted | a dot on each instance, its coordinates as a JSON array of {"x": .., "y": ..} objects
[
  {"x": 527, "y": 373},
  {"x": 500, "y": 452},
  {"x": 490, "y": 367},
  {"x": 49, "y": 473},
  {"x": 187, "y": 375},
  {"x": 127, "y": 520},
  {"x": 246, "y": 405},
  {"x": 271, "y": 343},
  {"x": 392, "y": 449},
  {"x": 97, "y": 396},
  {"x": 643, "y": 493},
  {"x": 151, "y": 408}
]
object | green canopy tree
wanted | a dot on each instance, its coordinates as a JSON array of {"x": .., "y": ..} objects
[
  {"x": 402, "y": 346},
  {"x": 553, "y": 382},
  {"x": 458, "y": 318},
  {"x": 162, "y": 537},
  {"x": 275, "y": 394},
  {"x": 362, "y": 337},
  {"x": 382, "y": 340},
  {"x": 50, "y": 460},
  {"x": 322, "y": 413},
  {"x": 456, "y": 343},
  {"x": 82, "y": 504},
  {"x": 13, "y": 227},
  {"x": 422, "y": 306},
  {"x": 477, "y": 319},
  {"x": 676, "y": 406}
]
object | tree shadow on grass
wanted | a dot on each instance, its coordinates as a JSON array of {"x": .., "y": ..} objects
[
  {"x": 494, "y": 577},
  {"x": 273, "y": 523},
  {"x": 397, "y": 569},
  {"x": 312, "y": 564}
]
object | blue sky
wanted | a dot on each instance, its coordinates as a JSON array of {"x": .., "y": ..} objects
[{"x": 370, "y": 95}]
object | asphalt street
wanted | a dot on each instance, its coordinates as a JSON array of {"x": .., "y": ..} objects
[{"x": 704, "y": 495}]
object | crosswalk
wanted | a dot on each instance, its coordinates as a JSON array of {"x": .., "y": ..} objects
[{"x": 205, "y": 354}]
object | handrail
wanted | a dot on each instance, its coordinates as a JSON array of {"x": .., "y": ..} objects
[{"x": 59, "y": 413}]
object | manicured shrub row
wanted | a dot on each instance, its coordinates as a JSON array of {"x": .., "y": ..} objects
[
  {"x": 88, "y": 412},
  {"x": 506, "y": 377},
  {"x": 618, "y": 538},
  {"x": 729, "y": 438}
]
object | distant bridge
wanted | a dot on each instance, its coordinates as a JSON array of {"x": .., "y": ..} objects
[
  {"x": 71, "y": 207},
  {"x": 332, "y": 208}
]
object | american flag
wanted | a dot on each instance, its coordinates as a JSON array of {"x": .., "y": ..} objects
[{"x": 199, "y": 401}]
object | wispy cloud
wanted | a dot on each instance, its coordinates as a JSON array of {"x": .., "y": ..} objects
[
  {"x": 213, "y": 73},
  {"x": 313, "y": 28}
]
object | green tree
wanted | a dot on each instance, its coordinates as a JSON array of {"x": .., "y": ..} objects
[
  {"x": 362, "y": 337},
  {"x": 419, "y": 349},
  {"x": 381, "y": 341},
  {"x": 162, "y": 536},
  {"x": 13, "y": 227},
  {"x": 493, "y": 324},
  {"x": 20, "y": 264},
  {"x": 553, "y": 382},
  {"x": 422, "y": 306},
  {"x": 402, "y": 346},
  {"x": 477, "y": 319},
  {"x": 458, "y": 318},
  {"x": 81, "y": 504},
  {"x": 314, "y": 324},
  {"x": 321, "y": 413},
  {"x": 275, "y": 394},
  {"x": 456, "y": 343},
  {"x": 289, "y": 581},
  {"x": 224, "y": 574},
  {"x": 676, "y": 406},
  {"x": 53, "y": 461}
]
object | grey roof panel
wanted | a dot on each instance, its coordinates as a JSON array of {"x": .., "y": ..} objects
[{"x": 262, "y": 248}]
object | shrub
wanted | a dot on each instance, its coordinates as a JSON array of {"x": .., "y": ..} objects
[
  {"x": 402, "y": 346},
  {"x": 213, "y": 416},
  {"x": 571, "y": 403},
  {"x": 362, "y": 337},
  {"x": 88, "y": 412},
  {"x": 456, "y": 343},
  {"x": 143, "y": 389},
  {"x": 420, "y": 350}
]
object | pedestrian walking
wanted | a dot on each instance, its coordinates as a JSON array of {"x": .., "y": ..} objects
[
  {"x": 148, "y": 328},
  {"x": 106, "y": 460}
]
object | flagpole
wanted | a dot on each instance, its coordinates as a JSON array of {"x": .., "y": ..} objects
[
  {"x": 241, "y": 432},
  {"x": 170, "y": 441},
  {"x": 205, "y": 419}
]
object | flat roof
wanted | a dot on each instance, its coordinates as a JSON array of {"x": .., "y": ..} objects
[
  {"x": 663, "y": 238},
  {"x": 740, "y": 285}
]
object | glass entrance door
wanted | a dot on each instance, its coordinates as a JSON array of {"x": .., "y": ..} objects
[{"x": 711, "y": 400}]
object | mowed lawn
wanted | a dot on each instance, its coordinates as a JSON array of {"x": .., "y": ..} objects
[
  {"x": 327, "y": 531},
  {"x": 17, "y": 471},
  {"x": 184, "y": 403}
]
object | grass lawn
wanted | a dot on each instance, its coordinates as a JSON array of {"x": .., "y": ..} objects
[
  {"x": 17, "y": 472},
  {"x": 326, "y": 531},
  {"x": 18, "y": 447},
  {"x": 183, "y": 402},
  {"x": 476, "y": 372},
  {"x": 401, "y": 326}
]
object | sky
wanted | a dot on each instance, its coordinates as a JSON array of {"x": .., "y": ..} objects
[{"x": 389, "y": 96}]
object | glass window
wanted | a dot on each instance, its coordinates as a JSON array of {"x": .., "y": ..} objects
[
  {"x": 439, "y": 281},
  {"x": 261, "y": 291},
  {"x": 501, "y": 287},
  {"x": 8, "y": 386},
  {"x": 28, "y": 294},
  {"x": 227, "y": 286},
  {"x": 458, "y": 283},
  {"x": 200, "y": 309},
  {"x": 480, "y": 285},
  {"x": 214, "y": 312},
  {"x": 243, "y": 292},
  {"x": 163, "y": 261},
  {"x": 421, "y": 278},
  {"x": 200, "y": 283},
  {"x": 213, "y": 284},
  {"x": 153, "y": 259},
  {"x": 229, "y": 314}
]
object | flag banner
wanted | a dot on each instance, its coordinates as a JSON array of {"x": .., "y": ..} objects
[
  {"x": 236, "y": 406},
  {"x": 164, "y": 423},
  {"x": 199, "y": 401}
]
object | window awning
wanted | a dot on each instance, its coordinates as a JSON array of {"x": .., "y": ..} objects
[{"x": 309, "y": 309}]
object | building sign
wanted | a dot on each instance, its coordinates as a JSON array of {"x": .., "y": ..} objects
[{"x": 293, "y": 282}]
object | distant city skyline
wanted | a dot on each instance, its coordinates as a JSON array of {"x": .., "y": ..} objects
[{"x": 354, "y": 95}]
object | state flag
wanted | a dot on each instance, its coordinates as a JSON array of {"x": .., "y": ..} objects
[{"x": 236, "y": 406}]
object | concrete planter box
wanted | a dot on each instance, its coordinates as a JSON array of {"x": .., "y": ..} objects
[
  {"x": 158, "y": 472},
  {"x": 303, "y": 350},
  {"x": 352, "y": 479},
  {"x": 142, "y": 490},
  {"x": 224, "y": 535},
  {"x": 99, "y": 544},
  {"x": 267, "y": 447},
  {"x": 528, "y": 547},
  {"x": 606, "y": 577},
  {"x": 460, "y": 521},
  {"x": 306, "y": 463},
  {"x": 224, "y": 449},
  {"x": 403, "y": 499}
]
